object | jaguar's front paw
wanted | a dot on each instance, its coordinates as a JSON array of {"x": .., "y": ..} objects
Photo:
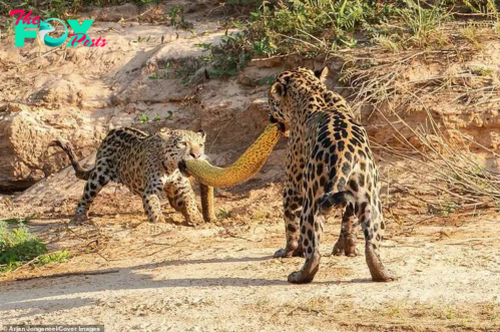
[
  {"x": 300, "y": 277},
  {"x": 155, "y": 229},
  {"x": 289, "y": 252},
  {"x": 193, "y": 221}
]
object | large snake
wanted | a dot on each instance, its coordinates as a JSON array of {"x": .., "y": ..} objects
[
  {"x": 246, "y": 166},
  {"x": 207, "y": 202}
]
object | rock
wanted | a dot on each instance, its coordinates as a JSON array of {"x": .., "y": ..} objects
[
  {"x": 24, "y": 138},
  {"x": 55, "y": 189},
  {"x": 115, "y": 14},
  {"x": 16, "y": 107}
]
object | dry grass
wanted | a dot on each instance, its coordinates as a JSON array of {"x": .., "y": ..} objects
[
  {"x": 467, "y": 180},
  {"x": 441, "y": 157}
]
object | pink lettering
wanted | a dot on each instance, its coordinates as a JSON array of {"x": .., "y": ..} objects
[
  {"x": 26, "y": 18},
  {"x": 97, "y": 42},
  {"x": 17, "y": 11},
  {"x": 82, "y": 37},
  {"x": 76, "y": 39}
]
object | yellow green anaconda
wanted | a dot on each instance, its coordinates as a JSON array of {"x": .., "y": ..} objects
[
  {"x": 247, "y": 165},
  {"x": 207, "y": 203}
]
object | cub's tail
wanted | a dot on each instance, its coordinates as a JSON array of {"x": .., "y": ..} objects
[
  {"x": 81, "y": 172},
  {"x": 333, "y": 200}
]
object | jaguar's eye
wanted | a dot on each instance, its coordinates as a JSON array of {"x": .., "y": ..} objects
[{"x": 181, "y": 144}]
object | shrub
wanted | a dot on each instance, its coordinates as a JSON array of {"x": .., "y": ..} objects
[
  {"x": 18, "y": 246},
  {"x": 321, "y": 27}
]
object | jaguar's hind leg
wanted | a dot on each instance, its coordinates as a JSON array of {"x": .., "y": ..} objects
[
  {"x": 311, "y": 227},
  {"x": 346, "y": 244},
  {"x": 97, "y": 180},
  {"x": 373, "y": 229}
]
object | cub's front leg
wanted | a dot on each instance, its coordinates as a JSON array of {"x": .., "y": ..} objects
[
  {"x": 154, "y": 181},
  {"x": 183, "y": 199}
]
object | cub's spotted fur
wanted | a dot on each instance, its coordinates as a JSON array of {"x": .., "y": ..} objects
[{"x": 150, "y": 166}]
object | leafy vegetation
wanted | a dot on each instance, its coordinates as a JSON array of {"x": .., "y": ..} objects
[
  {"x": 15, "y": 221},
  {"x": 20, "y": 247},
  {"x": 177, "y": 19},
  {"x": 321, "y": 27},
  {"x": 144, "y": 118},
  {"x": 422, "y": 22},
  {"x": 230, "y": 56}
]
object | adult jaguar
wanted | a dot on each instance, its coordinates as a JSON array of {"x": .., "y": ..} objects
[
  {"x": 329, "y": 164},
  {"x": 151, "y": 166}
]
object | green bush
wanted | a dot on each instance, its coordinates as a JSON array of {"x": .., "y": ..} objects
[
  {"x": 320, "y": 27},
  {"x": 309, "y": 27},
  {"x": 18, "y": 246}
]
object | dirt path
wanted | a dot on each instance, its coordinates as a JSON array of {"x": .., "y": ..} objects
[{"x": 224, "y": 279}]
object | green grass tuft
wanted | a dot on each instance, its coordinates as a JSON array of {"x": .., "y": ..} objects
[
  {"x": 314, "y": 28},
  {"x": 18, "y": 247},
  {"x": 15, "y": 221},
  {"x": 223, "y": 214}
]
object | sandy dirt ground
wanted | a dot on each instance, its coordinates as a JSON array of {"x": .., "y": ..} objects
[{"x": 223, "y": 277}]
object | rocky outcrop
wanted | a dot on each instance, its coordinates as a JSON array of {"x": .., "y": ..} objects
[
  {"x": 80, "y": 93},
  {"x": 24, "y": 136}
]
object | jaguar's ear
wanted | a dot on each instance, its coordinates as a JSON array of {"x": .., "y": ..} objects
[
  {"x": 201, "y": 133},
  {"x": 321, "y": 74},
  {"x": 278, "y": 91},
  {"x": 165, "y": 129}
]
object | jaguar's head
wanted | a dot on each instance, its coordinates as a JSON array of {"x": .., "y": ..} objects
[
  {"x": 183, "y": 145},
  {"x": 289, "y": 85}
]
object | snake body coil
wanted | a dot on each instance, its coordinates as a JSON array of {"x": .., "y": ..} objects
[{"x": 246, "y": 166}]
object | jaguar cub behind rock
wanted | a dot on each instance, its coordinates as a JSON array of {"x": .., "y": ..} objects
[{"x": 151, "y": 166}]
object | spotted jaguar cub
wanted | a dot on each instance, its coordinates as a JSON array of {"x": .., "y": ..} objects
[
  {"x": 329, "y": 165},
  {"x": 151, "y": 166}
]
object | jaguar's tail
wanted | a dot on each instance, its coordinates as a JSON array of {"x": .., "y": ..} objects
[
  {"x": 333, "y": 200},
  {"x": 80, "y": 172}
]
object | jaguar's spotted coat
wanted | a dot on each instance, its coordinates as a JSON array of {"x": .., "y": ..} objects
[
  {"x": 329, "y": 164},
  {"x": 150, "y": 166}
]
